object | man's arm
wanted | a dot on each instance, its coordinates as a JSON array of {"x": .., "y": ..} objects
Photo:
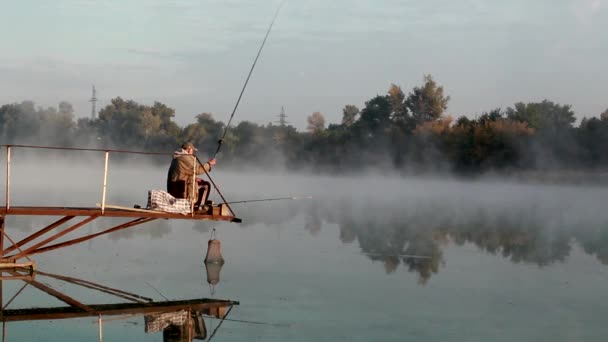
[{"x": 205, "y": 166}]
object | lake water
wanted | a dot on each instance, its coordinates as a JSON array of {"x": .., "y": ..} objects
[{"x": 366, "y": 259}]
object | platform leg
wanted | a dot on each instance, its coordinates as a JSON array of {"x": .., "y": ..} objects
[{"x": 1, "y": 233}]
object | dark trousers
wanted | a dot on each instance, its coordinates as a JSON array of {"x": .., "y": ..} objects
[
  {"x": 203, "y": 193},
  {"x": 177, "y": 189}
]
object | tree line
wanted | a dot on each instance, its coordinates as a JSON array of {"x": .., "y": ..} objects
[{"x": 410, "y": 133}]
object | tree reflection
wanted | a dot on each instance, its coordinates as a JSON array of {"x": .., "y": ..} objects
[
  {"x": 411, "y": 235},
  {"x": 415, "y": 236},
  {"x": 595, "y": 242}
]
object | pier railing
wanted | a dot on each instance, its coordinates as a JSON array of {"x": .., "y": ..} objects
[{"x": 10, "y": 150}]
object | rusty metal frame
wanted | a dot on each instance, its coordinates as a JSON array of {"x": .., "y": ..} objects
[
  {"x": 2, "y": 234},
  {"x": 41, "y": 248},
  {"x": 91, "y": 236},
  {"x": 8, "y": 260},
  {"x": 53, "y": 238},
  {"x": 137, "y": 304}
]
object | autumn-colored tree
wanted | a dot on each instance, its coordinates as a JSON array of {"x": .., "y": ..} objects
[
  {"x": 500, "y": 143},
  {"x": 440, "y": 126},
  {"x": 316, "y": 122},
  {"x": 349, "y": 115},
  {"x": 604, "y": 115}
]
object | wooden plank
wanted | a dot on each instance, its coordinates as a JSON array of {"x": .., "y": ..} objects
[
  {"x": 111, "y": 206},
  {"x": 29, "y": 265},
  {"x": 17, "y": 277}
]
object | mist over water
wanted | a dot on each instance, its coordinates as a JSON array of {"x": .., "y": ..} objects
[{"x": 367, "y": 258}]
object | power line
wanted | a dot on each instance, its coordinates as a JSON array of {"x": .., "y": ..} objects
[
  {"x": 282, "y": 122},
  {"x": 93, "y": 100}
]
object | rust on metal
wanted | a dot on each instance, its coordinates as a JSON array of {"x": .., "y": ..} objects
[
  {"x": 91, "y": 236},
  {"x": 24, "y": 248},
  {"x": 1, "y": 235},
  {"x": 89, "y": 211},
  {"x": 54, "y": 237}
]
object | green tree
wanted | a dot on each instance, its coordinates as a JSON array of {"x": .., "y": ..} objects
[
  {"x": 130, "y": 124},
  {"x": 205, "y": 133},
  {"x": 427, "y": 103},
  {"x": 375, "y": 117},
  {"x": 542, "y": 115}
]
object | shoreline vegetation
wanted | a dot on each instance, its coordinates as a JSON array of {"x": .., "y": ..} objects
[{"x": 398, "y": 133}]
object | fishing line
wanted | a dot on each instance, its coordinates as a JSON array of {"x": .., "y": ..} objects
[
  {"x": 155, "y": 289},
  {"x": 249, "y": 322},
  {"x": 269, "y": 199},
  {"x": 219, "y": 143}
]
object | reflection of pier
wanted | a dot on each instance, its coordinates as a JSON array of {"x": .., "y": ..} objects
[
  {"x": 10, "y": 256},
  {"x": 183, "y": 317},
  {"x": 33, "y": 314}
]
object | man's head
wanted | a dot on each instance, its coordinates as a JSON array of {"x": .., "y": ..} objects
[{"x": 189, "y": 147}]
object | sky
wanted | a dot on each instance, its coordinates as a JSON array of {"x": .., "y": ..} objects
[{"x": 194, "y": 55}]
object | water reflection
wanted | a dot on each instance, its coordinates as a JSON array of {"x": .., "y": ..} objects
[
  {"x": 179, "y": 320},
  {"x": 414, "y": 233}
]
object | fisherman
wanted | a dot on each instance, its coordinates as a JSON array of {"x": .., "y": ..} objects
[{"x": 181, "y": 177}]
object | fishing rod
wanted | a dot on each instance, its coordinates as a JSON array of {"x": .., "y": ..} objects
[
  {"x": 219, "y": 143},
  {"x": 269, "y": 199}
]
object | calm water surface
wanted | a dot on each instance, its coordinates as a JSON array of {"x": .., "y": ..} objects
[{"x": 367, "y": 259}]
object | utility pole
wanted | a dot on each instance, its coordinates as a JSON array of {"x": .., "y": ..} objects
[
  {"x": 93, "y": 100},
  {"x": 282, "y": 122}
]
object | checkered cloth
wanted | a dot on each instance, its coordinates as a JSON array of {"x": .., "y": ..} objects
[
  {"x": 163, "y": 201},
  {"x": 158, "y": 321}
]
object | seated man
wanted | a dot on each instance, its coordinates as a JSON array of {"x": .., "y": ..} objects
[{"x": 181, "y": 178}]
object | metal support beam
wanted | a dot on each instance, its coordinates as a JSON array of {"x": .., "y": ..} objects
[
  {"x": 62, "y": 297},
  {"x": 54, "y": 237},
  {"x": 8, "y": 177},
  {"x": 89, "y": 237},
  {"x": 2, "y": 235},
  {"x": 105, "y": 183}
]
